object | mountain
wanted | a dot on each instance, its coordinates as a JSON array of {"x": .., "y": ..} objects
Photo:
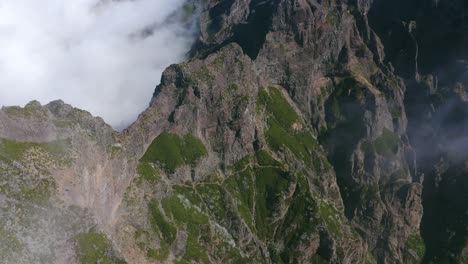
[{"x": 299, "y": 131}]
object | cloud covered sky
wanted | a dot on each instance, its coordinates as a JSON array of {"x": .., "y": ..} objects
[{"x": 89, "y": 53}]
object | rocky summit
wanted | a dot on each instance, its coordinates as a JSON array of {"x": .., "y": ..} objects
[{"x": 297, "y": 131}]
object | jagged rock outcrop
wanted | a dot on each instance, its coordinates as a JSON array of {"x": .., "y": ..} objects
[
  {"x": 331, "y": 63},
  {"x": 240, "y": 143},
  {"x": 296, "y": 133}
]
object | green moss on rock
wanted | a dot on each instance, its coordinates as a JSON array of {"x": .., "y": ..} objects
[
  {"x": 184, "y": 212},
  {"x": 29, "y": 111},
  {"x": 160, "y": 224},
  {"x": 387, "y": 143},
  {"x": 276, "y": 104},
  {"x": 95, "y": 248},
  {"x": 214, "y": 197},
  {"x": 15, "y": 150},
  {"x": 317, "y": 259},
  {"x": 265, "y": 159},
  {"x": 144, "y": 241},
  {"x": 368, "y": 194},
  {"x": 172, "y": 151},
  {"x": 330, "y": 216},
  {"x": 148, "y": 173},
  {"x": 416, "y": 247},
  {"x": 285, "y": 127},
  {"x": 370, "y": 259},
  {"x": 190, "y": 218},
  {"x": 241, "y": 187},
  {"x": 161, "y": 254},
  {"x": 22, "y": 185},
  {"x": 299, "y": 225},
  {"x": 271, "y": 185},
  {"x": 300, "y": 144},
  {"x": 39, "y": 193},
  {"x": 200, "y": 212}
]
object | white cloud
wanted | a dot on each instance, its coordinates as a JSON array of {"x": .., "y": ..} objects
[{"x": 87, "y": 53}]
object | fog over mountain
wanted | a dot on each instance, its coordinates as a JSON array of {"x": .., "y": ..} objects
[{"x": 97, "y": 55}]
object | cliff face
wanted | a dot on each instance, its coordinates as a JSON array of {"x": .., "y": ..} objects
[
  {"x": 331, "y": 64},
  {"x": 297, "y": 132},
  {"x": 430, "y": 39},
  {"x": 56, "y": 182}
]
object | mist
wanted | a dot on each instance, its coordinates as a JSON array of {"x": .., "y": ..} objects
[{"x": 102, "y": 56}]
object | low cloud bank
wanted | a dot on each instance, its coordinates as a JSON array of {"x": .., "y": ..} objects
[{"x": 104, "y": 56}]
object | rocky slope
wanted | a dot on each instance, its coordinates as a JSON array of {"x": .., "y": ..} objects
[{"x": 296, "y": 133}]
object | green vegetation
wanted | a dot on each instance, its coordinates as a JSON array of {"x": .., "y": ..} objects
[
  {"x": 148, "y": 173},
  {"x": 181, "y": 210},
  {"x": 187, "y": 215},
  {"x": 9, "y": 244},
  {"x": 333, "y": 18},
  {"x": 32, "y": 188},
  {"x": 16, "y": 111},
  {"x": 244, "y": 163},
  {"x": 39, "y": 193},
  {"x": 370, "y": 259},
  {"x": 191, "y": 210},
  {"x": 300, "y": 144},
  {"x": 271, "y": 184},
  {"x": 330, "y": 216},
  {"x": 241, "y": 187},
  {"x": 278, "y": 106},
  {"x": 158, "y": 222},
  {"x": 114, "y": 150},
  {"x": 27, "y": 112},
  {"x": 15, "y": 150},
  {"x": 258, "y": 191},
  {"x": 317, "y": 259},
  {"x": 167, "y": 232},
  {"x": 285, "y": 128},
  {"x": 369, "y": 193},
  {"x": 143, "y": 239},
  {"x": 189, "y": 194},
  {"x": 231, "y": 254},
  {"x": 172, "y": 151},
  {"x": 299, "y": 224},
  {"x": 464, "y": 259},
  {"x": 160, "y": 254},
  {"x": 265, "y": 159},
  {"x": 219, "y": 61},
  {"x": 35, "y": 186},
  {"x": 280, "y": 131},
  {"x": 387, "y": 143},
  {"x": 202, "y": 76},
  {"x": 12, "y": 149},
  {"x": 213, "y": 196},
  {"x": 192, "y": 149},
  {"x": 95, "y": 248},
  {"x": 416, "y": 245}
]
